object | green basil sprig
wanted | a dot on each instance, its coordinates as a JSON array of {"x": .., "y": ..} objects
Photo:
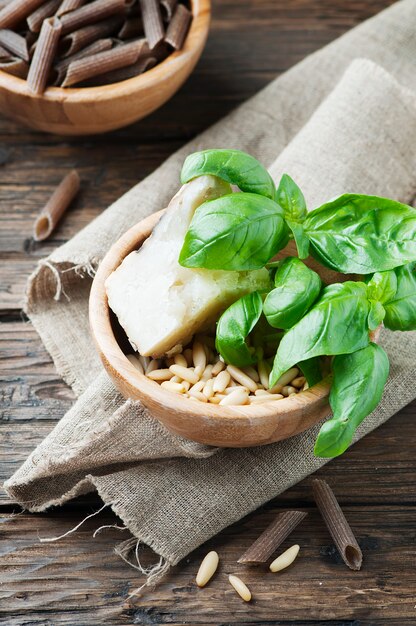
[
  {"x": 401, "y": 308},
  {"x": 362, "y": 234},
  {"x": 312, "y": 370},
  {"x": 296, "y": 289},
  {"x": 233, "y": 328},
  {"x": 336, "y": 324},
  {"x": 292, "y": 201},
  {"x": 234, "y": 166},
  {"x": 239, "y": 231},
  {"x": 357, "y": 387}
]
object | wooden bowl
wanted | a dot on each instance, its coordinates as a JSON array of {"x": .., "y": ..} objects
[
  {"x": 238, "y": 426},
  {"x": 87, "y": 111}
]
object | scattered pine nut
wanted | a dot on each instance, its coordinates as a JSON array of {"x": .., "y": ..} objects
[
  {"x": 208, "y": 389},
  {"x": 234, "y": 388},
  {"x": 261, "y": 392},
  {"x": 240, "y": 587},
  {"x": 188, "y": 356},
  {"x": 242, "y": 378},
  {"x": 270, "y": 397},
  {"x": 198, "y": 370},
  {"x": 217, "y": 367},
  {"x": 185, "y": 372},
  {"x": 288, "y": 376},
  {"x": 198, "y": 395},
  {"x": 199, "y": 356},
  {"x": 285, "y": 559},
  {"x": 298, "y": 382},
  {"x": 175, "y": 387},
  {"x": 163, "y": 374},
  {"x": 250, "y": 371},
  {"x": 207, "y": 568},
  {"x": 198, "y": 386},
  {"x": 238, "y": 397},
  {"x": 134, "y": 360},
  {"x": 176, "y": 379},
  {"x": 179, "y": 359},
  {"x": 222, "y": 381},
  {"x": 185, "y": 384},
  {"x": 215, "y": 399},
  {"x": 207, "y": 373}
]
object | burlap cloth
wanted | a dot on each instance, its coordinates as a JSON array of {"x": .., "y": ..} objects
[{"x": 334, "y": 130}]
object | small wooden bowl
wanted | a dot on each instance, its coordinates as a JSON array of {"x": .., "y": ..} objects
[
  {"x": 236, "y": 427},
  {"x": 87, "y": 111}
]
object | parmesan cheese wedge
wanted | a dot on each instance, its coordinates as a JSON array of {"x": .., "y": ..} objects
[{"x": 161, "y": 304}]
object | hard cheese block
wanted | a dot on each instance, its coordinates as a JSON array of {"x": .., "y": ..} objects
[{"x": 161, "y": 304}]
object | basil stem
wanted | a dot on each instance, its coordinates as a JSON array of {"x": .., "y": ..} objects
[
  {"x": 234, "y": 166},
  {"x": 292, "y": 201},
  {"x": 239, "y": 231},
  {"x": 234, "y": 326},
  {"x": 357, "y": 387}
]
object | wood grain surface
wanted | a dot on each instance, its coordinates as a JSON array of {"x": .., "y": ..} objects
[{"x": 79, "y": 581}]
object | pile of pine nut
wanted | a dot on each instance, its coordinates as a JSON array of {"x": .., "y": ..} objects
[{"x": 197, "y": 372}]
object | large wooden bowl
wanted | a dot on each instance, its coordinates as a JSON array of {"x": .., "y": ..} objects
[
  {"x": 229, "y": 426},
  {"x": 87, "y": 111}
]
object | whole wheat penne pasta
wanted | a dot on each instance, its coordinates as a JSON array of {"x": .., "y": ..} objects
[
  {"x": 15, "y": 67},
  {"x": 5, "y": 55},
  {"x": 168, "y": 7},
  {"x": 56, "y": 206},
  {"x": 83, "y": 37},
  {"x": 16, "y": 11},
  {"x": 118, "y": 57},
  {"x": 69, "y": 5},
  {"x": 44, "y": 54},
  {"x": 178, "y": 27},
  {"x": 91, "y": 14},
  {"x": 337, "y": 524},
  {"x": 152, "y": 21},
  {"x": 61, "y": 67},
  {"x": 15, "y": 43},
  {"x": 132, "y": 27},
  {"x": 35, "y": 19}
]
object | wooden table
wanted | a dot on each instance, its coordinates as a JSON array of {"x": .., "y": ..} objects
[{"x": 80, "y": 581}]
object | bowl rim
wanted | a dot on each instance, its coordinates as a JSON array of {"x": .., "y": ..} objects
[
  {"x": 196, "y": 37},
  {"x": 150, "y": 392}
]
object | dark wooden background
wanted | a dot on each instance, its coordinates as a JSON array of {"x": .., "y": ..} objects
[{"x": 80, "y": 581}]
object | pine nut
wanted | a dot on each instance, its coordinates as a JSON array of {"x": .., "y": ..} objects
[
  {"x": 175, "y": 387},
  {"x": 198, "y": 370},
  {"x": 222, "y": 381},
  {"x": 207, "y": 373},
  {"x": 153, "y": 365},
  {"x": 276, "y": 389},
  {"x": 270, "y": 397},
  {"x": 198, "y": 386},
  {"x": 135, "y": 361},
  {"x": 185, "y": 372},
  {"x": 215, "y": 399},
  {"x": 240, "y": 587},
  {"x": 179, "y": 359},
  {"x": 264, "y": 373},
  {"x": 305, "y": 386},
  {"x": 198, "y": 395},
  {"x": 199, "y": 356},
  {"x": 188, "y": 356},
  {"x": 186, "y": 384},
  {"x": 207, "y": 568},
  {"x": 208, "y": 389},
  {"x": 288, "y": 376},
  {"x": 217, "y": 367},
  {"x": 250, "y": 371},
  {"x": 238, "y": 397},
  {"x": 233, "y": 388},
  {"x": 261, "y": 392},
  {"x": 144, "y": 360},
  {"x": 285, "y": 559},
  {"x": 242, "y": 378},
  {"x": 287, "y": 390},
  {"x": 163, "y": 374},
  {"x": 298, "y": 382},
  {"x": 176, "y": 379}
]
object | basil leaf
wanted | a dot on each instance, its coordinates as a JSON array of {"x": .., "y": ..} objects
[
  {"x": 312, "y": 370},
  {"x": 401, "y": 309},
  {"x": 382, "y": 286},
  {"x": 300, "y": 237},
  {"x": 291, "y": 199},
  {"x": 357, "y": 387},
  {"x": 297, "y": 288},
  {"x": 233, "y": 327},
  {"x": 336, "y": 324},
  {"x": 376, "y": 314},
  {"x": 362, "y": 234},
  {"x": 238, "y": 231},
  {"x": 234, "y": 166}
]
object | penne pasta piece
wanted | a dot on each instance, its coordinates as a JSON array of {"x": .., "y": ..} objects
[
  {"x": 16, "y": 44},
  {"x": 337, "y": 524},
  {"x": 69, "y": 5},
  {"x": 15, "y": 67},
  {"x": 56, "y": 206},
  {"x": 132, "y": 27},
  {"x": 91, "y": 14},
  {"x": 168, "y": 7},
  {"x": 178, "y": 27},
  {"x": 152, "y": 22},
  {"x": 45, "y": 51},
  {"x": 35, "y": 19},
  {"x": 272, "y": 537},
  {"x": 98, "y": 64},
  {"x": 5, "y": 55},
  {"x": 61, "y": 67},
  {"x": 79, "y": 39},
  {"x": 17, "y": 11}
]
